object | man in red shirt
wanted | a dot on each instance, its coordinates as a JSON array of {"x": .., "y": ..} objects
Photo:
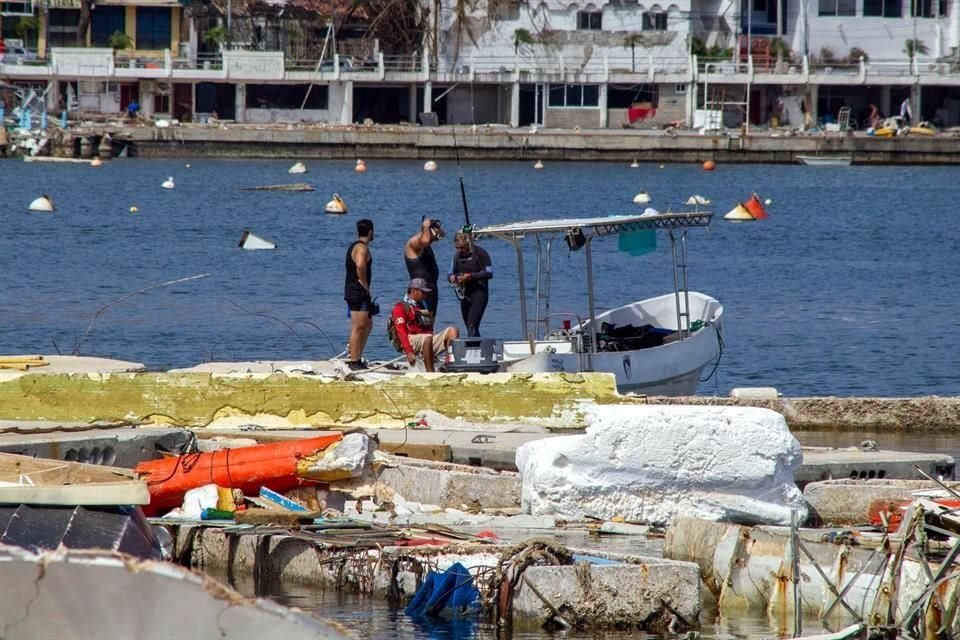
[{"x": 413, "y": 327}]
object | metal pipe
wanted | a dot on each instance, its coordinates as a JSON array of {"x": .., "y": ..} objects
[
  {"x": 536, "y": 292},
  {"x": 593, "y": 314},
  {"x": 676, "y": 280},
  {"x": 523, "y": 290},
  {"x": 686, "y": 288}
]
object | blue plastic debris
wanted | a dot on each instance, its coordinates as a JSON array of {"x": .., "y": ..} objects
[{"x": 447, "y": 594}]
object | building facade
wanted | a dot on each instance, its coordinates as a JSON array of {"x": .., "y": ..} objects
[{"x": 587, "y": 64}]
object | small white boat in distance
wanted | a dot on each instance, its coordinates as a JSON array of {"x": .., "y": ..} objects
[
  {"x": 826, "y": 161},
  {"x": 656, "y": 346}
]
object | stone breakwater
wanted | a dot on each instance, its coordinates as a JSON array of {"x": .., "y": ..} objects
[{"x": 503, "y": 143}]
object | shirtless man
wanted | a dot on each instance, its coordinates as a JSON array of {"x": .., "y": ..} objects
[{"x": 356, "y": 292}]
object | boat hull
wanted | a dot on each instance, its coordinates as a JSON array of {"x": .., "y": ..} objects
[
  {"x": 672, "y": 369},
  {"x": 825, "y": 161}
]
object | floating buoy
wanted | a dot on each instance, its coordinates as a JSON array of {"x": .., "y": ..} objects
[
  {"x": 361, "y": 166},
  {"x": 755, "y": 207},
  {"x": 768, "y": 202},
  {"x": 697, "y": 200},
  {"x": 709, "y": 165},
  {"x": 298, "y": 168},
  {"x": 429, "y": 165},
  {"x": 187, "y": 165},
  {"x": 168, "y": 183},
  {"x": 634, "y": 164},
  {"x": 251, "y": 242},
  {"x": 641, "y": 198},
  {"x": 336, "y": 205},
  {"x": 44, "y": 203},
  {"x": 661, "y": 166},
  {"x": 96, "y": 162},
  {"x": 538, "y": 164},
  {"x": 739, "y": 214},
  {"x": 133, "y": 209}
]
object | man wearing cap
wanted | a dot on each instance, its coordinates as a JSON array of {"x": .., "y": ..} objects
[{"x": 411, "y": 327}]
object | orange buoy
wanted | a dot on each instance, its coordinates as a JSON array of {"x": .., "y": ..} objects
[
  {"x": 361, "y": 166},
  {"x": 709, "y": 165},
  {"x": 756, "y": 208},
  {"x": 249, "y": 468}
]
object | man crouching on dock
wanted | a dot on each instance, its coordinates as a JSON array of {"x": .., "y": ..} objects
[{"x": 411, "y": 327}]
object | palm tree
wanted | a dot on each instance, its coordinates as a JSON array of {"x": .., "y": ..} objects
[
  {"x": 25, "y": 26},
  {"x": 632, "y": 41},
  {"x": 912, "y": 47},
  {"x": 119, "y": 40}
]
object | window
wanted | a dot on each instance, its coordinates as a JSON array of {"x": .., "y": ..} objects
[
  {"x": 105, "y": 21},
  {"x": 928, "y": 8},
  {"x": 883, "y": 8},
  {"x": 654, "y": 21},
  {"x": 838, "y": 7},
  {"x": 63, "y": 27},
  {"x": 591, "y": 20},
  {"x": 574, "y": 95},
  {"x": 273, "y": 96},
  {"x": 161, "y": 104},
  {"x": 153, "y": 27}
]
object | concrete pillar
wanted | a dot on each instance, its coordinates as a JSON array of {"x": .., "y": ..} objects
[
  {"x": 813, "y": 91},
  {"x": 885, "y": 101},
  {"x": 603, "y": 105},
  {"x": 428, "y": 96},
  {"x": 412, "y": 104},
  {"x": 692, "y": 97},
  {"x": 240, "y": 102},
  {"x": 515, "y": 105},
  {"x": 346, "y": 108},
  {"x": 916, "y": 105}
]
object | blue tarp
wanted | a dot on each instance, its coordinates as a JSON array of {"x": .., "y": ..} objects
[{"x": 447, "y": 594}]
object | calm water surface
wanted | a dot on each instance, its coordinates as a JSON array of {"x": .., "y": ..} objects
[{"x": 849, "y": 288}]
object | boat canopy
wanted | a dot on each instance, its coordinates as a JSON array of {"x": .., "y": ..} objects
[
  {"x": 588, "y": 229},
  {"x": 596, "y": 226}
]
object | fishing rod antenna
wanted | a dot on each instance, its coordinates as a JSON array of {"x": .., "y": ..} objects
[{"x": 467, "y": 227}]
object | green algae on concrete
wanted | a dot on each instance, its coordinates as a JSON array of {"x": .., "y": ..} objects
[{"x": 198, "y": 399}]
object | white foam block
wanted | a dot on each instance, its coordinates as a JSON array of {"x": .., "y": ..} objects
[{"x": 654, "y": 463}]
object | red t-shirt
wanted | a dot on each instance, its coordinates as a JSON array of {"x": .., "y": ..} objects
[{"x": 410, "y": 319}]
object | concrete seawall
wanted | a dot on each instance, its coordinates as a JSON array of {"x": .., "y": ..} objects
[
  {"x": 502, "y": 143},
  {"x": 280, "y": 400}
]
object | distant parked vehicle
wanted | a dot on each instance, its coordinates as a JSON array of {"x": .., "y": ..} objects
[
  {"x": 345, "y": 65},
  {"x": 19, "y": 55}
]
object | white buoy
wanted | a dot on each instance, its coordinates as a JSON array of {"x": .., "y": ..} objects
[
  {"x": 336, "y": 205},
  {"x": 168, "y": 183},
  {"x": 251, "y": 242},
  {"x": 641, "y": 198},
  {"x": 298, "y": 168},
  {"x": 429, "y": 165},
  {"x": 133, "y": 209},
  {"x": 538, "y": 164},
  {"x": 361, "y": 166},
  {"x": 768, "y": 202},
  {"x": 44, "y": 204},
  {"x": 187, "y": 165},
  {"x": 739, "y": 214},
  {"x": 96, "y": 162},
  {"x": 634, "y": 164}
]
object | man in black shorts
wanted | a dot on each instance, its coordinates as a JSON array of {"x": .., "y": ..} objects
[
  {"x": 471, "y": 272},
  {"x": 356, "y": 292}
]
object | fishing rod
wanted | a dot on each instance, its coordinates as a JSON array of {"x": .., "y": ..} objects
[{"x": 467, "y": 227}]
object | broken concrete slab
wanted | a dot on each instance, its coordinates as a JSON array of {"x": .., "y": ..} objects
[
  {"x": 849, "y": 502},
  {"x": 449, "y": 485},
  {"x": 79, "y": 594},
  {"x": 655, "y": 595}
]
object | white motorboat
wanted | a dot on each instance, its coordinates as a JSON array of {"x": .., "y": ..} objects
[
  {"x": 657, "y": 346},
  {"x": 826, "y": 161}
]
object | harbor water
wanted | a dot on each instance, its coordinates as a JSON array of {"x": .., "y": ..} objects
[{"x": 847, "y": 289}]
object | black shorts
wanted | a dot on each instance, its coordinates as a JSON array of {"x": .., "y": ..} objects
[{"x": 358, "y": 303}]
